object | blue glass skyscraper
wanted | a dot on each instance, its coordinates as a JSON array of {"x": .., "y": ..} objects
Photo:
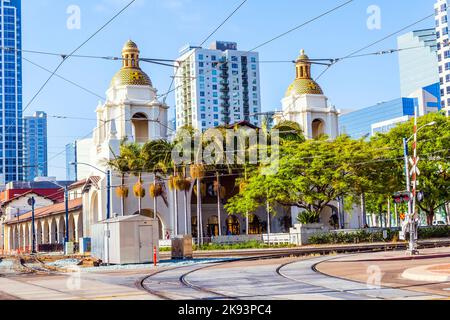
[
  {"x": 35, "y": 146},
  {"x": 11, "y": 144}
]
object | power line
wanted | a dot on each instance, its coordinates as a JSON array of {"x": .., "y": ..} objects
[
  {"x": 303, "y": 24},
  {"x": 64, "y": 55},
  {"x": 75, "y": 50},
  {"x": 65, "y": 79},
  {"x": 68, "y": 56},
  {"x": 376, "y": 42}
]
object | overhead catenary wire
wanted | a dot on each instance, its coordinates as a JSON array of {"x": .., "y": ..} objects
[
  {"x": 376, "y": 42},
  {"x": 303, "y": 24},
  {"x": 65, "y": 79},
  {"x": 75, "y": 50}
]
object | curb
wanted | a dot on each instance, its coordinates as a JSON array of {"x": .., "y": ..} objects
[{"x": 423, "y": 274}]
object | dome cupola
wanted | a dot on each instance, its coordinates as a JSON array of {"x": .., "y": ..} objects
[
  {"x": 303, "y": 84},
  {"x": 131, "y": 74}
]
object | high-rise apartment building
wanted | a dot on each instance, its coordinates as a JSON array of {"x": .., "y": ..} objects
[
  {"x": 35, "y": 146},
  {"x": 443, "y": 49},
  {"x": 11, "y": 140},
  {"x": 217, "y": 86}
]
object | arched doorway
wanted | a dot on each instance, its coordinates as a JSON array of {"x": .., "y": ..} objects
[
  {"x": 53, "y": 231},
  {"x": 139, "y": 123},
  {"x": 27, "y": 237},
  {"x": 61, "y": 230},
  {"x": 93, "y": 212},
  {"x": 46, "y": 231},
  {"x": 150, "y": 214},
  {"x": 254, "y": 225},
  {"x": 213, "y": 226},
  {"x": 38, "y": 232},
  {"x": 79, "y": 232},
  {"x": 233, "y": 226},
  {"x": 71, "y": 228},
  {"x": 194, "y": 226},
  {"x": 318, "y": 128},
  {"x": 16, "y": 237}
]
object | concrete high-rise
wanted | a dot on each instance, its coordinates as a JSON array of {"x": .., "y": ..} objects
[
  {"x": 11, "y": 139},
  {"x": 217, "y": 86},
  {"x": 443, "y": 49},
  {"x": 35, "y": 146},
  {"x": 418, "y": 60}
]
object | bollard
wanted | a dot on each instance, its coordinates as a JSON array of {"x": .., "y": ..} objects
[{"x": 154, "y": 256}]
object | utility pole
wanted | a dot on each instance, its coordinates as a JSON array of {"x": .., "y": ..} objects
[
  {"x": 66, "y": 206},
  {"x": 108, "y": 194},
  {"x": 32, "y": 202},
  {"x": 415, "y": 172}
]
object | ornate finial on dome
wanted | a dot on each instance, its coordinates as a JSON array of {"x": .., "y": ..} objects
[
  {"x": 131, "y": 73},
  {"x": 130, "y": 55},
  {"x": 303, "y": 84}
]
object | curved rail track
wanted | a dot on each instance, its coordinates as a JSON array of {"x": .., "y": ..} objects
[{"x": 172, "y": 284}]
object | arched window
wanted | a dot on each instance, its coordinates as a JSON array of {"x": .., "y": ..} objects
[
  {"x": 254, "y": 225},
  {"x": 213, "y": 226},
  {"x": 140, "y": 127},
  {"x": 318, "y": 128},
  {"x": 233, "y": 226}
]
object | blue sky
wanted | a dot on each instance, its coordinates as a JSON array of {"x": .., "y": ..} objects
[{"x": 161, "y": 27}]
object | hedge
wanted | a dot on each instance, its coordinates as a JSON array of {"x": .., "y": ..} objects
[{"x": 377, "y": 236}]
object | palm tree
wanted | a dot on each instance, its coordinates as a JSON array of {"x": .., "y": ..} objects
[
  {"x": 197, "y": 172},
  {"x": 133, "y": 156},
  {"x": 157, "y": 159},
  {"x": 120, "y": 164}
]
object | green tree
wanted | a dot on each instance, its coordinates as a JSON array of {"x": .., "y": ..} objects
[
  {"x": 310, "y": 176},
  {"x": 433, "y": 149}
]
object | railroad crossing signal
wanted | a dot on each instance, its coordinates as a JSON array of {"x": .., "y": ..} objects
[
  {"x": 414, "y": 167},
  {"x": 402, "y": 197}
]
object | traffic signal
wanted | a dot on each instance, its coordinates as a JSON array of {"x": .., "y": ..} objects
[
  {"x": 402, "y": 216},
  {"x": 402, "y": 197}
]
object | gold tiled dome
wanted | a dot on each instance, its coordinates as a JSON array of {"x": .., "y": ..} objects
[
  {"x": 131, "y": 74},
  {"x": 130, "y": 44},
  {"x": 131, "y": 77},
  {"x": 303, "y": 84}
]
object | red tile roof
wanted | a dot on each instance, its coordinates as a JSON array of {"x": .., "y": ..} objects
[{"x": 55, "y": 209}]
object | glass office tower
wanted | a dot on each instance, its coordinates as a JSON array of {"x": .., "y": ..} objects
[
  {"x": 35, "y": 146},
  {"x": 11, "y": 144}
]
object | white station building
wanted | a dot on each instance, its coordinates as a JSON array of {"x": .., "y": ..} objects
[{"x": 305, "y": 103}]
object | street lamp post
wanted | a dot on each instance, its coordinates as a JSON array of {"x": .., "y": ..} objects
[
  {"x": 32, "y": 202},
  {"x": 412, "y": 203}
]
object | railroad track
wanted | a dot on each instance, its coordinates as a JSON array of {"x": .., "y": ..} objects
[
  {"x": 160, "y": 283},
  {"x": 32, "y": 264},
  {"x": 309, "y": 250}
]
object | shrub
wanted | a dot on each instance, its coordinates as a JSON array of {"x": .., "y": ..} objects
[
  {"x": 307, "y": 217},
  {"x": 362, "y": 236}
]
